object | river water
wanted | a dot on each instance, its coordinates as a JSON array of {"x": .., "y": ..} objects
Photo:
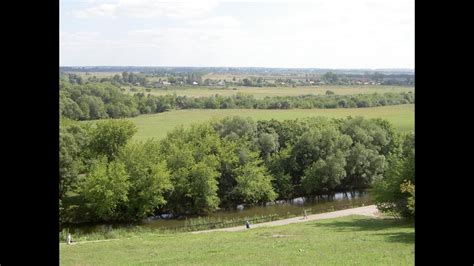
[{"x": 283, "y": 209}]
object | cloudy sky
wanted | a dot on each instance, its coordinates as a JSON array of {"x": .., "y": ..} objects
[{"x": 259, "y": 33}]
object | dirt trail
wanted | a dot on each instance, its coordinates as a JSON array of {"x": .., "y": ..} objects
[{"x": 370, "y": 210}]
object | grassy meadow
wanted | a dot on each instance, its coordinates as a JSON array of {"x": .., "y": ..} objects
[
  {"x": 351, "y": 240},
  {"x": 262, "y": 92},
  {"x": 157, "y": 125}
]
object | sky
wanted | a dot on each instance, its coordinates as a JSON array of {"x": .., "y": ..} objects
[{"x": 338, "y": 34}]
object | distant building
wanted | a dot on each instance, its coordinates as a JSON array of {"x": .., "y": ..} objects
[
  {"x": 221, "y": 83},
  {"x": 166, "y": 83},
  {"x": 195, "y": 83}
]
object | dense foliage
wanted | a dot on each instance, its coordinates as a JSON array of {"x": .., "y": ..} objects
[
  {"x": 104, "y": 176},
  {"x": 395, "y": 191},
  {"x": 106, "y": 100}
]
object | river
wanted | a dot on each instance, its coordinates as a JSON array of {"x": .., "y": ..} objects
[{"x": 282, "y": 209}]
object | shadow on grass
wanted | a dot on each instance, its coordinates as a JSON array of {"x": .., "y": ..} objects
[
  {"x": 373, "y": 225},
  {"x": 400, "y": 237}
]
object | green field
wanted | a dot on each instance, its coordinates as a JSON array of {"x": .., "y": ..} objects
[
  {"x": 263, "y": 92},
  {"x": 352, "y": 240},
  {"x": 157, "y": 125}
]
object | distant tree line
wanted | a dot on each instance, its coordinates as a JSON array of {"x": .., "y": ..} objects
[
  {"x": 195, "y": 78},
  {"x": 105, "y": 100},
  {"x": 106, "y": 177}
]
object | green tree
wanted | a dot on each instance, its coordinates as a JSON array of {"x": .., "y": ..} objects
[
  {"x": 394, "y": 192},
  {"x": 105, "y": 187},
  {"x": 323, "y": 176},
  {"x": 192, "y": 158},
  {"x": 268, "y": 144},
  {"x": 73, "y": 139},
  {"x": 70, "y": 109},
  {"x": 149, "y": 178},
  {"x": 253, "y": 182},
  {"x": 204, "y": 186},
  {"x": 408, "y": 187},
  {"x": 125, "y": 77},
  {"x": 330, "y": 78},
  {"x": 363, "y": 166},
  {"x": 279, "y": 165},
  {"x": 92, "y": 107},
  {"x": 236, "y": 127},
  {"x": 109, "y": 136}
]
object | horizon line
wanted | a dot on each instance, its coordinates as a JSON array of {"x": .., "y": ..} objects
[{"x": 348, "y": 68}]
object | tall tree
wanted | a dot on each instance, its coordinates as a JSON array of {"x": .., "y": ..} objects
[
  {"x": 109, "y": 136},
  {"x": 149, "y": 178},
  {"x": 105, "y": 187}
]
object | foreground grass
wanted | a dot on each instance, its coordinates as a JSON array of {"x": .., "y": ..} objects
[
  {"x": 354, "y": 240},
  {"x": 157, "y": 125},
  {"x": 262, "y": 92}
]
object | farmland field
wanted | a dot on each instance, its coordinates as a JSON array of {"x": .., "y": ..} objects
[
  {"x": 263, "y": 92},
  {"x": 157, "y": 125},
  {"x": 354, "y": 240}
]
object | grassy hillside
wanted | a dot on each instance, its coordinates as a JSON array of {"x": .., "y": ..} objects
[
  {"x": 354, "y": 240},
  {"x": 157, "y": 125}
]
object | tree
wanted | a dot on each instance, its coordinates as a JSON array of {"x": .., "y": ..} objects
[
  {"x": 363, "y": 166},
  {"x": 70, "y": 109},
  {"x": 409, "y": 188},
  {"x": 125, "y": 77},
  {"x": 73, "y": 138},
  {"x": 324, "y": 175},
  {"x": 268, "y": 143},
  {"x": 278, "y": 165},
  {"x": 236, "y": 127},
  {"x": 117, "y": 78},
  {"x": 203, "y": 192},
  {"x": 330, "y": 78},
  {"x": 253, "y": 183},
  {"x": 105, "y": 187},
  {"x": 394, "y": 192},
  {"x": 247, "y": 82},
  {"x": 149, "y": 178},
  {"x": 192, "y": 158},
  {"x": 92, "y": 107},
  {"x": 109, "y": 136}
]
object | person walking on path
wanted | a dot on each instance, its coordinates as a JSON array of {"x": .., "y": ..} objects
[
  {"x": 247, "y": 224},
  {"x": 69, "y": 239},
  {"x": 305, "y": 215}
]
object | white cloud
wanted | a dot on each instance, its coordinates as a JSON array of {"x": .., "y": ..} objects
[
  {"x": 148, "y": 9},
  {"x": 102, "y": 10},
  {"x": 338, "y": 33},
  {"x": 219, "y": 22}
]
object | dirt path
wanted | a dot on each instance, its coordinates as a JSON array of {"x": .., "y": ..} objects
[
  {"x": 92, "y": 241},
  {"x": 370, "y": 210}
]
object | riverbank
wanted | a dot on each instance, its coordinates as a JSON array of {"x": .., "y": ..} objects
[
  {"x": 366, "y": 211},
  {"x": 227, "y": 219},
  {"x": 360, "y": 240}
]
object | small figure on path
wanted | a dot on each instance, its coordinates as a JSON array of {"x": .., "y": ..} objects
[
  {"x": 247, "y": 224},
  {"x": 305, "y": 215},
  {"x": 69, "y": 239}
]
